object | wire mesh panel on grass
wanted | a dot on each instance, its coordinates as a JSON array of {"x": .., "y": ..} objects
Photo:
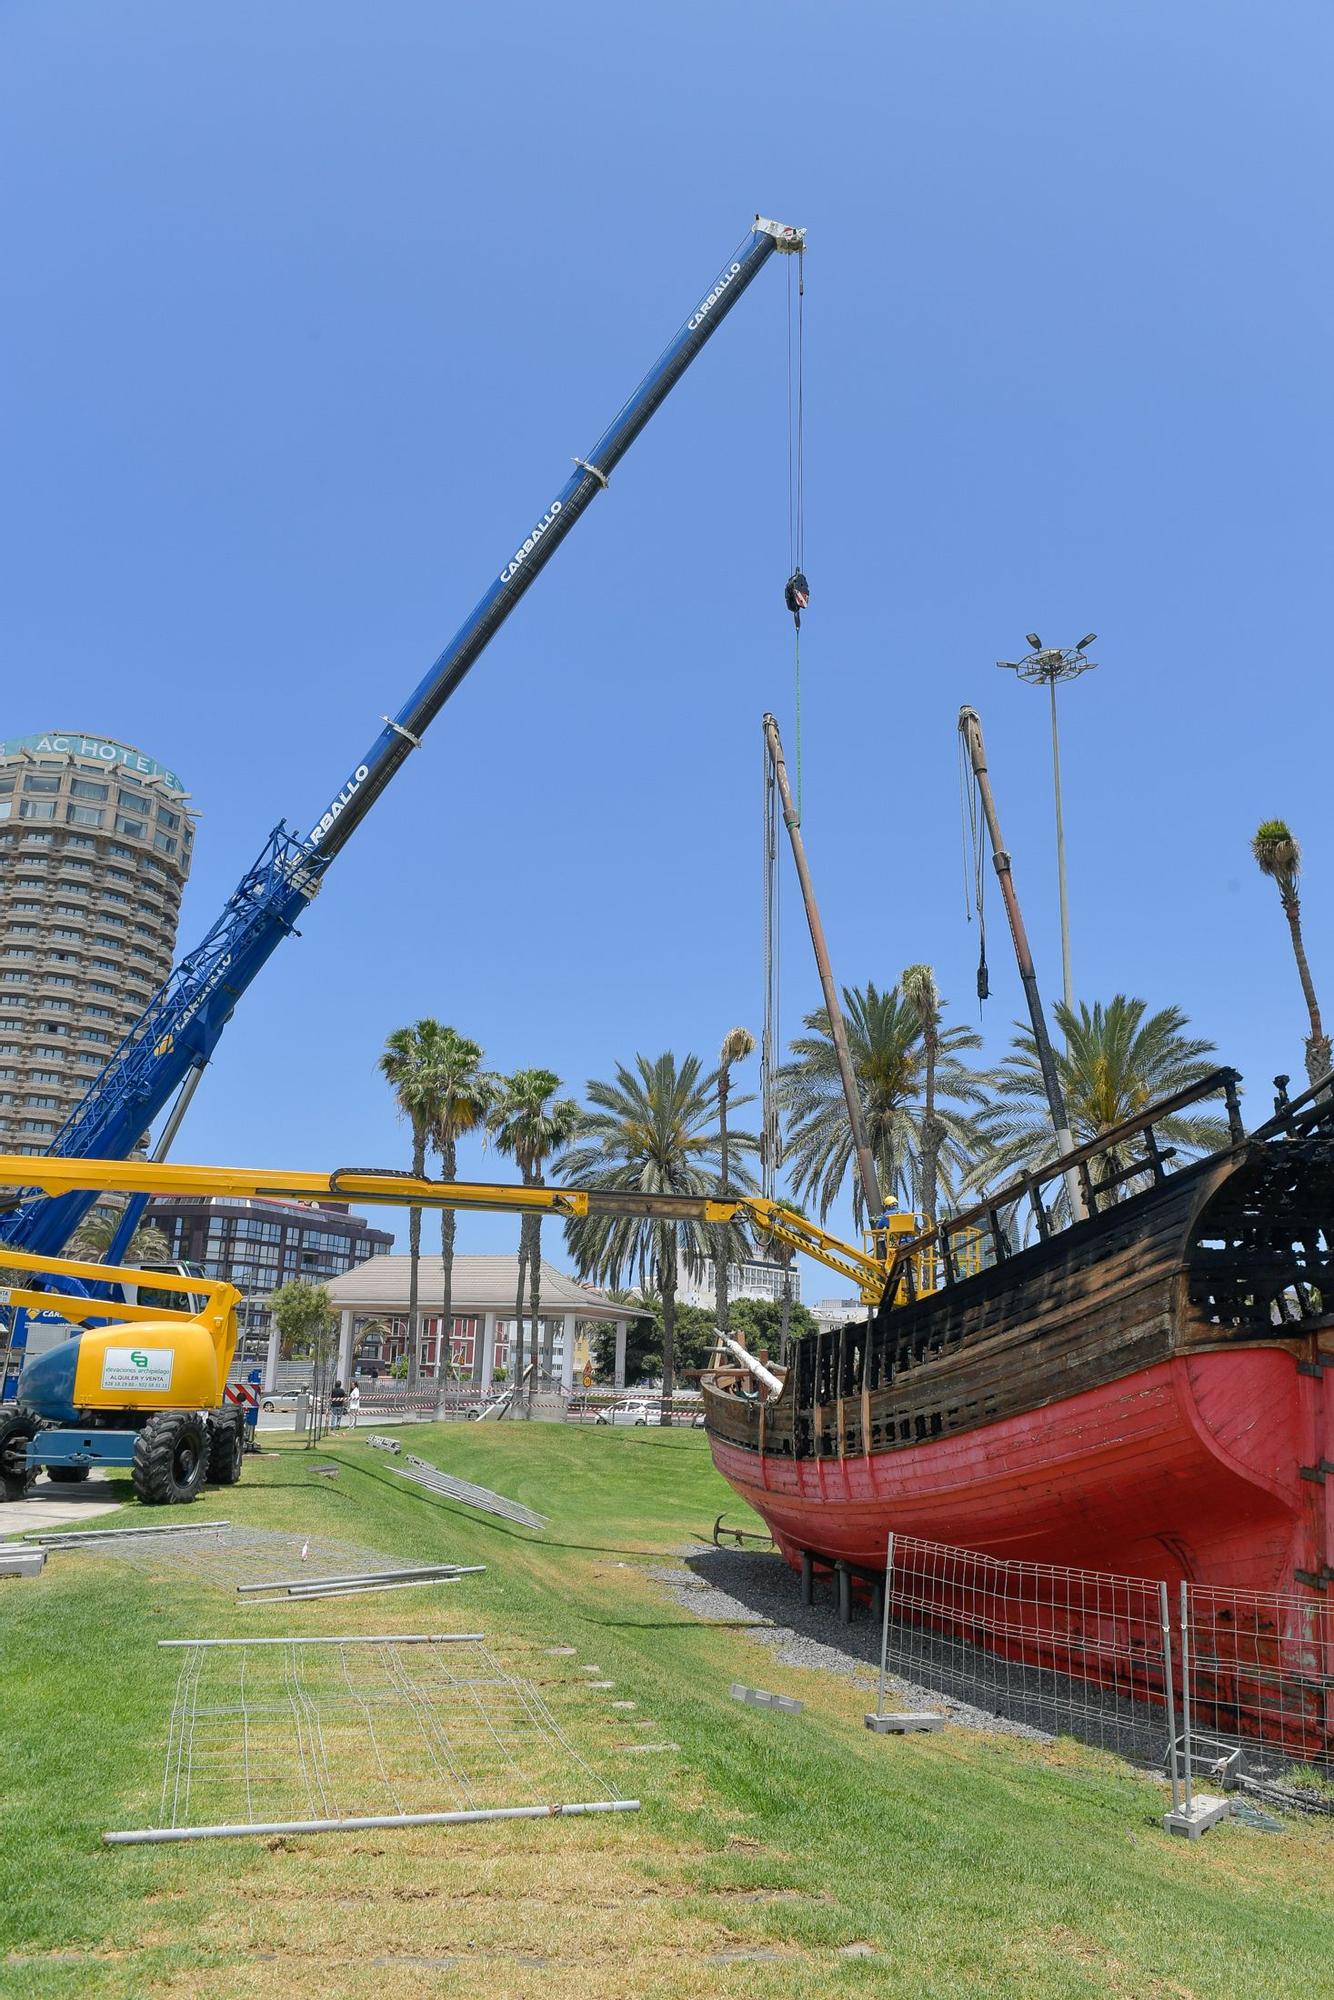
[
  {"x": 307, "y": 1735},
  {"x": 1067, "y": 1651},
  {"x": 1260, "y": 1671},
  {"x": 481, "y": 1497}
]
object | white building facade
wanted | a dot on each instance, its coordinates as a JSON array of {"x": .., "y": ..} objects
[
  {"x": 481, "y": 1344},
  {"x": 757, "y": 1278}
]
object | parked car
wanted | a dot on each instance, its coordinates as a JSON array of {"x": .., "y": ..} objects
[
  {"x": 281, "y": 1399},
  {"x": 625, "y": 1413}
]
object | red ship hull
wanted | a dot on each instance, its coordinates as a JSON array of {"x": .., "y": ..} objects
[
  {"x": 1148, "y": 1393},
  {"x": 1190, "y": 1469}
]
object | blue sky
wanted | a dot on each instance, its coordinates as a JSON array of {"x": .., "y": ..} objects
[{"x": 309, "y": 305}]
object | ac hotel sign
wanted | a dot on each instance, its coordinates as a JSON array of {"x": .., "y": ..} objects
[{"x": 100, "y": 749}]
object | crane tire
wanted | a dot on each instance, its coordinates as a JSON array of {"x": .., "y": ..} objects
[
  {"x": 170, "y": 1459},
  {"x": 226, "y": 1448},
  {"x": 17, "y": 1427},
  {"x": 67, "y": 1475}
]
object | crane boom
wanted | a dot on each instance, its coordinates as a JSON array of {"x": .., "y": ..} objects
[{"x": 179, "y": 1030}]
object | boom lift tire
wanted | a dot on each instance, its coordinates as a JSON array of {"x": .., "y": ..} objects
[
  {"x": 17, "y": 1429},
  {"x": 226, "y": 1447},
  {"x": 170, "y": 1459}
]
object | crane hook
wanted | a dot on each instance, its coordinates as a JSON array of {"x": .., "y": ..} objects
[{"x": 796, "y": 596}]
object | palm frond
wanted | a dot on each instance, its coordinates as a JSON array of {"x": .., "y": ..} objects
[
  {"x": 887, "y": 1037},
  {"x": 1117, "y": 1061}
]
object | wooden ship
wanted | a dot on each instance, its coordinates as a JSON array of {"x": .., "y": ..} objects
[
  {"x": 1148, "y": 1391},
  {"x": 1144, "y": 1392}
]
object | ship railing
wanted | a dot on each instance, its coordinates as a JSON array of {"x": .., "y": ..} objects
[{"x": 949, "y": 1252}]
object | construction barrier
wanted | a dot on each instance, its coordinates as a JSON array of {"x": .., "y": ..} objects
[
  {"x": 1258, "y": 1675},
  {"x": 1066, "y": 1651},
  {"x": 1225, "y": 1690}
]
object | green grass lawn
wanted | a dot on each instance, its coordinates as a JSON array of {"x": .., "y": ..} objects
[{"x": 967, "y": 1864}]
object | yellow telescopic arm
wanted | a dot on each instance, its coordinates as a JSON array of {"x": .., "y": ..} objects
[{"x": 385, "y": 1187}]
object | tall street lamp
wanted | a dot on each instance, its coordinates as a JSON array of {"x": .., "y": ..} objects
[{"x": 1050, "y": 664}]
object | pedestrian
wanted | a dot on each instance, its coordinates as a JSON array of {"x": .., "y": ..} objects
[
  {"x": 353, "y": 1405},
  {"x": 337, "y": 1405}
]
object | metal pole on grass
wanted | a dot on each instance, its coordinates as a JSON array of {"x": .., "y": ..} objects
[
  {"x": 361, "y": 1576},
  {"x": 1165, "y": 1623},
  {"x": 884, "y": 1622},
  {"x": 1185, "y": 1685},
  {"x": 153, "y": 1836},
  {"x": 347, "y": 1639}
]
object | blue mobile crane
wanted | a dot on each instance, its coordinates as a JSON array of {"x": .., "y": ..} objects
[{"x": 166, "y": 1052}]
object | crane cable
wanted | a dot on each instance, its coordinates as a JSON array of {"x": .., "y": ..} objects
[
  {"x": 771, "y": 1148},
  {"x": 796, "y": 596},
  {"x": 797, "y": 592}
]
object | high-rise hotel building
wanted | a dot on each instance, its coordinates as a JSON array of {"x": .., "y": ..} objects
[{"x": 95, "y": 846}]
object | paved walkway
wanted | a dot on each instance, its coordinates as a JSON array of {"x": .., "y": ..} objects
[{"x": 49, "y": 1506}]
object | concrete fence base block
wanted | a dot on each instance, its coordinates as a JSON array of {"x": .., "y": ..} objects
[
  {"x": 21, "y": 1562},
  {"x": 1192, "y": 1820},
  {"x": 904, "y": 1723},
  {"x": 761, "y": 1698}
]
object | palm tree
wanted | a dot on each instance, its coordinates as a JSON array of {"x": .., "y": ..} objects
[
  {"x": 1116, "y": 1061},
  {"x": 94, "y": 1235},
  {"x": 1280, "y": 858},
  {"x": 530, "y": 1123},
  {"x": 461, "y": 1095},
  {"x": 650, "y": 1130},
  {"x": 405, "y": 1063},
  {"x": 737, "y": 1045},
  {"x": 917, "y": 984},
  {"x": 889, "y": 1060}
]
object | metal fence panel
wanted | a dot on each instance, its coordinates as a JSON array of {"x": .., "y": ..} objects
[
  {"x": 1066, "y": 1651},
  {"x": 1259, "y": 1669}
]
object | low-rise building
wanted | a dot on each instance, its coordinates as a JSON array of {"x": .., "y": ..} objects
[{"x": 482, "y": 1345}]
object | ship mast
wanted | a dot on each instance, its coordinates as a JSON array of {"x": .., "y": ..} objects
[
  {"x": 970, "y": 728},
  {"x": 838, "y": 1033}
]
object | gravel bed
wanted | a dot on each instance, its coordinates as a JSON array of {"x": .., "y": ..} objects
[{"x": 972, "y": 1688}]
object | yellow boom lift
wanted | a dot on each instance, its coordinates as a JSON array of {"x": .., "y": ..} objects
[{"x": 143, "y": 1387}]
